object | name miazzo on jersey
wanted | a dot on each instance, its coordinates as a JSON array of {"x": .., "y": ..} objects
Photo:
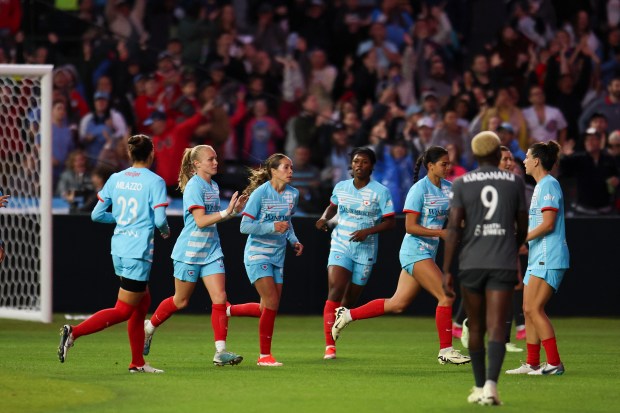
[{"x": 130, "y": 186}]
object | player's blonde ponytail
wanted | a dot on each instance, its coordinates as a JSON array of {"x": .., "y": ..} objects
[{"x": 187, "y": 171}]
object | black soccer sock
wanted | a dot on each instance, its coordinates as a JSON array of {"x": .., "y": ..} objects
[
  {"x": 517, "y": 307},
  {"x": 508, "y": 328},
  {"x": 497, "y": 351},
  {"x": 460, "y": 314},
  {"x": 477, "y": 364}
]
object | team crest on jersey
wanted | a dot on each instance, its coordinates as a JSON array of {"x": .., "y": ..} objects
[
  {"x": 190, "y": 272},
  {"x": 264, "y": 267},
  {"x": 366, "y": 203},
  {"x": 337, "y": 256},
  {"x": 221, "y": 262}
]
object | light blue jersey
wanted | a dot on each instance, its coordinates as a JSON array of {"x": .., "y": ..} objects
[
  {"x": 551, "y": 250},
  {"x": 433, "y": 205},
  {"x": 264, "y": 207},
  {"x": 359, "y": 209},
  {"x": 198, "y": 245},
  {"x": 134, "y": 194}
]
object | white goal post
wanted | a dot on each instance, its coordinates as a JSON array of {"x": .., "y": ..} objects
[{"x": 26, "y": 175}]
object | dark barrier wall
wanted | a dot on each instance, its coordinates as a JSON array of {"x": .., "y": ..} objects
[{"x": 84, "y": 279}]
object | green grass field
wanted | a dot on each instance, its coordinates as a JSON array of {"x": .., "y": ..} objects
[{"x": 384, "y": 365}]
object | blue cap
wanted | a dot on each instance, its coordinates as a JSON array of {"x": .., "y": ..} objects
[
  {"x": 507, "y": 127},
  {"x": 157, "y": 115},
  {"x": 102, "y": 95}
]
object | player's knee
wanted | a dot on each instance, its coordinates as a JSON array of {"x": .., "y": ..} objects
[
  {"x": 219, "y": 298},
  {"x": 397, "y": 306},
  {"x": 181, "y": 302}
]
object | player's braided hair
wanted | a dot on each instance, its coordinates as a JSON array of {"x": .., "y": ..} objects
[{"x": 431, "y": 155}]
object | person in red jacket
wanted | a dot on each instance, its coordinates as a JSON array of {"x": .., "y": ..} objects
[{"x": 171, "y": 139}]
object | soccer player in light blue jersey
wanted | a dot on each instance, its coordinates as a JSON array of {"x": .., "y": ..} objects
[
  {"x": 197, "y": 253},
  {"x": 138, "y": 199},
  {"x": 267, "y": 220},
  {"x": 364, "y": 209},
  {"x": 548, "y": 260},
  {"x": 426, "y": 206}
]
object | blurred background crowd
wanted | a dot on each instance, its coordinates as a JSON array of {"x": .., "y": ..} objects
[{"x": 314, "y": 78}]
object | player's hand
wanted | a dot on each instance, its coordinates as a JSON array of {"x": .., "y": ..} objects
[
  {"x": 233, "y": 203},
  {"x": 4, "y": 199},
  {"x": 321, "y": 225},
  {"x": 280, "y": 226},
  {"x": 165, "y": 234},
  {"x": 448, "y": 284},
  {"x": 299, "y": 249},
  {"x": 241, "y": 201},
  {"x": 359, "y": 236}
]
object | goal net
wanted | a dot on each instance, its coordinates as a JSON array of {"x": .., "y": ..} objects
[{"x": 26, "y": 175}]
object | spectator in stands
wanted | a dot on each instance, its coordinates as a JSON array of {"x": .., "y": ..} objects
[
  {"x": 506, "y": 109},
  {"x": 337, "y": 161},
  {"x": 75, "y": 182},
  {"x": 147, "y": 103},
  {"x": 545, "y": 123},
  {"x": 301, "y": 130},
  {"x": 10, "y": 24},
  {"x": 99, "y": 176},
  {"x": 263, "y": 135},
  {"x": 608, "y": 105},
  {"x": 307, "y": 180},
  {"x": 507, "y": 138},
  {"x": 422, "y": 141},
  {"x": 596, "y": 175},
  {"x": 456, "y": 169},
  {"x": 269, "y": 35},
  {"x": 62, "y": 140},
  {"x": 322, "y": 74},
  {"x": 449, "y": 132},
  {"x": 103, "y": 125},
  {"x": 386, "y": 51},
  {"x": 170, "y": 140},
  {"x": 125, "y": 22},
  {"x": 394, "y": 169},
  {"x": 599, "y": 122}
]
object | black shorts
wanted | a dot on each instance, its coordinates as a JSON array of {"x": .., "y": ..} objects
[
  {"x": 134, "y": 286},
  {"x": 478, "y": 280}
]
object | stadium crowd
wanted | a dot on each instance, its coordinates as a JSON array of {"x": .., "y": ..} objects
[{"x": 314, "y": 79}]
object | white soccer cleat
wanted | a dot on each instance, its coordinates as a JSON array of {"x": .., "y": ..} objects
[
  {"x": 475, "y": 395},
  {"x": 66, "y": 342},
  {"x": 512, "y": 348},
  {"x": 548, "y": 370},
  {"x": 340, "y": 322},
  {"x": 465, "y": 334},
  {"x": 147, "y": 368},
  {"x": 452, "y": 356},
  {"x": 523, "y": 369},
  {"x": 489, "y": 396}
]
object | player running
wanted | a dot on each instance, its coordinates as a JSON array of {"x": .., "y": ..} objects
[
  {"x": 364, "y": 209},
  {"x": 138, "y": 199},
  {"x": 426, "y": 207}
]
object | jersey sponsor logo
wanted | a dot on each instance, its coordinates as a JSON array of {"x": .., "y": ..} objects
[
  {"x": 351, "y": 211},
  {"x": 128, "y": 232},
  {"x": 130, "y": 186},
  {"x": 549, "y": 197},
  {"x": 489, "y": 230},
  {"x": 488, "y": 175},
  {"x": 132, "y": 174}
]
